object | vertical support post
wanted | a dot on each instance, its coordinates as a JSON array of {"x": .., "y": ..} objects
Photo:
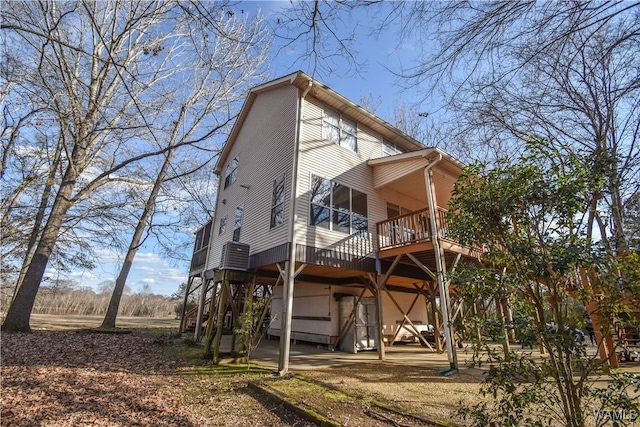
[
  {"x": 184, "y": 304},
  {"x": 247, "y": 322},
  {"x": 203, "y": 297},
  {"x": 436, "y": 318},
  {"x": 222, "y": 308},
  {"x": 440, "y": 268},
  {"x": 381, "y": 349},
  {"x": 285, "y": 328},
  {"x": 508, "y": 317},
  {"x": 606, "y": 346},
  {"x": 474, "y": 309},
  {"x": 210, "y": 321}
]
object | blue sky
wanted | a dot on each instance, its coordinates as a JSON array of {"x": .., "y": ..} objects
[{"x": 375, "y": 80}]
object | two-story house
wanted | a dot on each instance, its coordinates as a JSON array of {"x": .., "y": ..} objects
[{"x": 343, "y": 215}]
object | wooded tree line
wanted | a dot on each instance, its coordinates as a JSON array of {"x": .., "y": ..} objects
[{"x": 68, "y": 297}]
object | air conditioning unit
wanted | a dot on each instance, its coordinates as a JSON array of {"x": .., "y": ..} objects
[{"x": 235, "y": 256}]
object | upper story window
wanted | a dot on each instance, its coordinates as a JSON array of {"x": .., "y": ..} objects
[
  {"x": 390, "y": 148},
  {"x": 340, "y": 130},
  {"x": 237, "y": 227},
  {"x": 223, "y": 225},
  {"x": 277, "y": 202},
  {"x": 337, "y": 207},
  {"x": 232, "y": 172}
]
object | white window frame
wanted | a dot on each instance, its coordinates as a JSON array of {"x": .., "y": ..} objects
[
  {"x": 391, "y": 148},
  {"x": 222, "y": 228},
  {"x": 277, "y": 201},
  {"x": 237, "y": 224},
  {"x": 335, "y": 211},
  {"x": 231, "y": 174},
  {"x": 344, "y": 129}
]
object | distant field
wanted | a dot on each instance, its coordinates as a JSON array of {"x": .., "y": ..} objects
[{"x": 55, "y": 322}]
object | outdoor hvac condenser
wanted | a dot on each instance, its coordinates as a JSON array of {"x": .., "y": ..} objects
[{"x": 235, "y": 256}]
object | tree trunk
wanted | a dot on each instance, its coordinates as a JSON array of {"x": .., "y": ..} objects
[
  {"x": 19, "y": 313},
  {"x": 37, "y": 224},
  {"x": 112, "y": 311}
]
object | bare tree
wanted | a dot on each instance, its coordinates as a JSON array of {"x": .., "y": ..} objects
[
  {"x": 103, "y": 71},
  {"x": 563, "y": 71},
  {"x": 228, "y": 56}
]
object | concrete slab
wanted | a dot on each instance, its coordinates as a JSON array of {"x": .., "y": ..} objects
[{"x": 306, "y": 356}]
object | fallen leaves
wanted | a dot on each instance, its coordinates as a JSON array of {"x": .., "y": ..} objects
[{"x": 64, "y": 378}]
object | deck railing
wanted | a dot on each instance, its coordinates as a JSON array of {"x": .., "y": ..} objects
[{"x": 408, "y": 229}]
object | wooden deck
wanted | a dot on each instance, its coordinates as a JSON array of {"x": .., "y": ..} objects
[{"x": 411, "y": 233}]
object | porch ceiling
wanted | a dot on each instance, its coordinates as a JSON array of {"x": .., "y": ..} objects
[{"x": 404, "y": 174}]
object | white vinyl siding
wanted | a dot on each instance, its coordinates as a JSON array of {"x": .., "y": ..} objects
[
  {"x": 342, "y": 166},
  {"x": 264, "y": 146}
]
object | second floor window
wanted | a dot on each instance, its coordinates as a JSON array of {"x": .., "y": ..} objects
[
  {"x": 337, "y": 207},
  {"x": 237, "y": 227},
  {"x": 277, "y": 202},
  {"x": 340, "y": 130},
  {"x": 232, "y": 172},
  {"x": 223, "y": 225}
]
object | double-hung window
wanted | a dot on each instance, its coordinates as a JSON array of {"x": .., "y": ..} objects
[
  {"x": 337, "y": 207},
  {"x": 237, "y": 227},
  {"x": 339, "y": 129},
  {"x": 231, "y": 173},
  {"x": 277, "y": 202}
]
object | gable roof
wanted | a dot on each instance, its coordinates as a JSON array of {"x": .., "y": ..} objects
[{"x": 326, "y": 95}]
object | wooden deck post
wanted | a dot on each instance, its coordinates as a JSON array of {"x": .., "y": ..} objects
[
  {"x": 378, "y": 287},
  {"x": 435, "y": 314},
  {"x": 211, "y": 319},
  {"x": 222, "y": 308},
  {"x": 505, "y": 331},
  {"x": 184, "y": 303},
  {"x": 203, "y": 297}
]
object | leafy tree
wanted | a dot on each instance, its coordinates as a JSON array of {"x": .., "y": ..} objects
[
  {"x": 531, "y": 216},
  {"x": 249, "y": 328}
]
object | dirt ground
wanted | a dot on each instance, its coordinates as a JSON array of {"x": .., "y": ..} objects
[
  {"x": 150, "y": 378},
  {"x": 64, "y": 375},
  {"x": 72, "y": 378}
]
